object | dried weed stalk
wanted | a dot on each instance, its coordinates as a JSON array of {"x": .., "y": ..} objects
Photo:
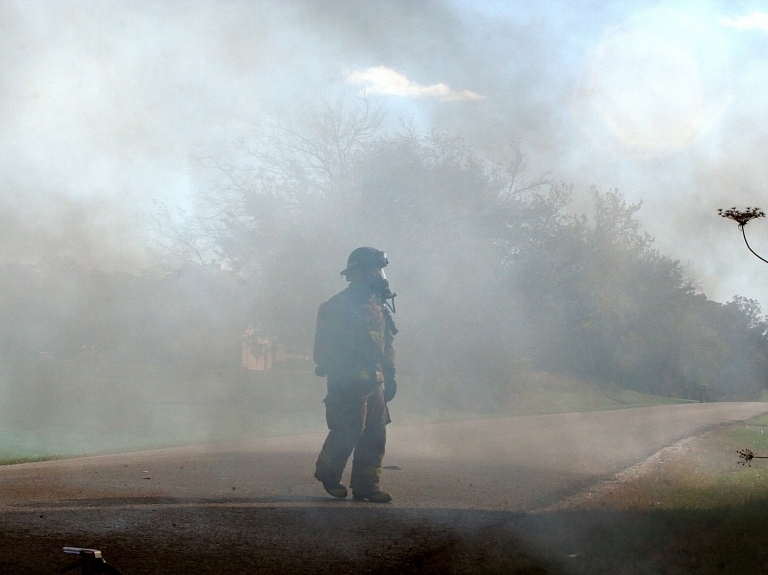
[
  {"x": 748, "y": 455},
  {"x": 743, "y": 218}
]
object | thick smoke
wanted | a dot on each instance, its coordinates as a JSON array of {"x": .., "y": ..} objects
[{"x": 110, "y": 110}]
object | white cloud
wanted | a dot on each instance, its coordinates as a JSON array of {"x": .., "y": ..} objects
[
  {"x": 756, "y": 21},
  {"x": 385, "y": 81}
]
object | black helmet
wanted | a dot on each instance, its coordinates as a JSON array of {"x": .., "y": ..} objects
[{"x": 365, "y": 257}]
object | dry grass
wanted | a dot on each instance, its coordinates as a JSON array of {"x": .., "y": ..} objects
[
  {"x": 694, "y": 509},
  {"x": 704, "y": 473}
]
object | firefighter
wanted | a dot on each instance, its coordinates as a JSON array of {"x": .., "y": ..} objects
[{"x": 353, "y": 349}]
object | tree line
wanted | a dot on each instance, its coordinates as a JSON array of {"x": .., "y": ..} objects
[
  {"x": 492, "y": 267},
  {"x": 495, "y": 272}
]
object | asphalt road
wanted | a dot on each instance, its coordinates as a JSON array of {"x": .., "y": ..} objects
[{"x": 257, "y": 503}]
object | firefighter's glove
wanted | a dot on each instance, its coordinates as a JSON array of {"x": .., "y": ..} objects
[{"x": 390, "y": 389}]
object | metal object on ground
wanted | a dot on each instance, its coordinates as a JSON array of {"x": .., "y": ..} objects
[{"x": 90, "y": 561}]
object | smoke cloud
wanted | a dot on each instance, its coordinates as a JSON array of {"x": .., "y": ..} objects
[
  {"x": 105, "y": 105},
  {"x": 108, "y": 108}
]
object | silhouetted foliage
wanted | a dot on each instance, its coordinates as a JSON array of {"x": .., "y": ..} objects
[
  {"x": 741, "y": 217},
  {"x": 493, "y": 271},
  {"x": 490, "y": 265},
  {"x": 59, "y": 310}
]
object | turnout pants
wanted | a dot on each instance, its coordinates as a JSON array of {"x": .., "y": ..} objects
[{"x": 357, "y": 422}]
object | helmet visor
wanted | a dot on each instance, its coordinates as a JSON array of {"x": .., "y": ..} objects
[
  {"x": 382, "y": 260},
  {"x": 378, "y": 280}
]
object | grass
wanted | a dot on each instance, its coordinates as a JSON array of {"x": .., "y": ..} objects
[
  {"x": 529, "y": 393},
  {"x": 551, "y": 393},
  {"x": 29, "y": 459},
  {"x": 80, "y": 408},
  {"x": 697, "y": 510},
  {"x": 707, "y": 474},
  {"x": 54, "y": 408}
]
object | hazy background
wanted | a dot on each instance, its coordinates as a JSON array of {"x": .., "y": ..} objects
[
  {"x": 108, "y": 108},
  {"x": 102, "y": 106}
]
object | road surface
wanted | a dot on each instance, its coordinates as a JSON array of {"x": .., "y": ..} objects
[{"x": 253, "y": 506}]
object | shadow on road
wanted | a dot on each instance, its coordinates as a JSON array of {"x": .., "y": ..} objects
[
  {"x": 110, "y": 502},
  {"x": 356, "y": 539}
]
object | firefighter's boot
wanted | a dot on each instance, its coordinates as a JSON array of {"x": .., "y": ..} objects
[
  {"x": 373, "y": 496},
  {"x": 335, "y": 489}
]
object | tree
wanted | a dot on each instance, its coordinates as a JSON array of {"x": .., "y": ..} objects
[
  {"x": 294, "y": 200},
  {"x": 181, "y": 237},
  {"x": 284, "y": 180},
  {"x": 490, "y": 265}
]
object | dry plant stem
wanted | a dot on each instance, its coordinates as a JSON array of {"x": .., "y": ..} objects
[{"x": 743, "y": 233}]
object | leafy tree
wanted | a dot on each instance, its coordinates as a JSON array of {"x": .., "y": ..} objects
[{"x": 490, "y": 264}]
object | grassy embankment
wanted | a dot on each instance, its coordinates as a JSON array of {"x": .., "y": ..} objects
[
  {"x": 696, "y": 510},
  {"x": 59, "y": 409},
  {"x": 527, "y": 393}
]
